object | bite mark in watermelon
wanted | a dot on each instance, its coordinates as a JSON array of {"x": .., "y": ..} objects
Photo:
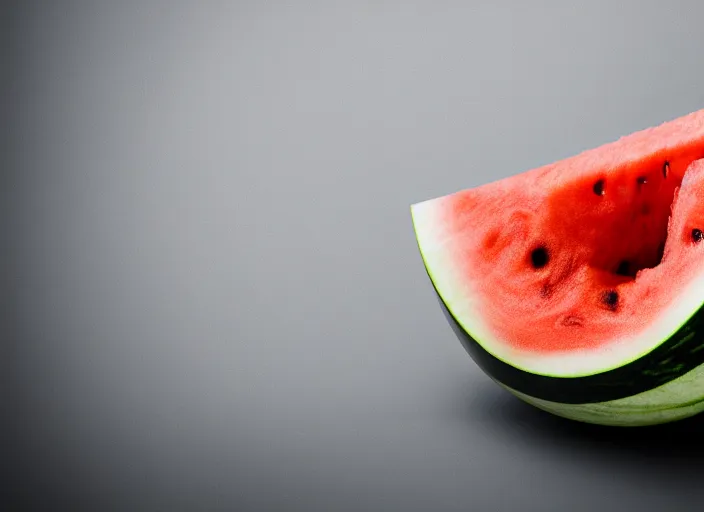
[{"x": 579, "y": 285}]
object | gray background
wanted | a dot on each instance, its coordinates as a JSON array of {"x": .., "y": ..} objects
[{"x": 212, "y": 297}]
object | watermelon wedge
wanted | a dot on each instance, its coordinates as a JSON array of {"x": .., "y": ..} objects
[{"x": 579, "y": 286}]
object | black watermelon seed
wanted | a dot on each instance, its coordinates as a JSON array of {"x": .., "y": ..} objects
[
  {"x": 599, "y": 188},
  {"x": 642, "y": 180},
  {"x": 665, "y": 169},
  {"x": 610, "y": 298},
  {"x": 539, "y": 257},
  {"x": 623, "y": 268},
  {"x": 697, "y": 235}
]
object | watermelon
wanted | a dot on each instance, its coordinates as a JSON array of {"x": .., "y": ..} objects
[{"x": 578, "y": 286}]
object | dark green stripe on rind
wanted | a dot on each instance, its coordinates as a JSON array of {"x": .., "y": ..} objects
[{"x": 671, "y": 359}]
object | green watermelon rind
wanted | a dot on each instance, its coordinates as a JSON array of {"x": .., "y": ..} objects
[{"x": 667, "y": 405}]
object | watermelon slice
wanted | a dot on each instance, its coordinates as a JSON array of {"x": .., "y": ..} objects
[{"x": 579, "y": 286}]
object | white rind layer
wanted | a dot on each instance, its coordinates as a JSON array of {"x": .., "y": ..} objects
[{"x": 458, "y": 293}]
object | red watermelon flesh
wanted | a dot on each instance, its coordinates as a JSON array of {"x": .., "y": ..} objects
[{"x": 587, "y": 250}]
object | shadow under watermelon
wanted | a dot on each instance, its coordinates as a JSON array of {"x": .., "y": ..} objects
[{"x": 675, "y": 449}]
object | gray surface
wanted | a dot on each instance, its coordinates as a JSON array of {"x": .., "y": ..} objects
[{"x": 215, "y": 297}]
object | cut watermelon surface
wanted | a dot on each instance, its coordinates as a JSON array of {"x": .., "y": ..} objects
[{"x": 579, "y": 285}]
